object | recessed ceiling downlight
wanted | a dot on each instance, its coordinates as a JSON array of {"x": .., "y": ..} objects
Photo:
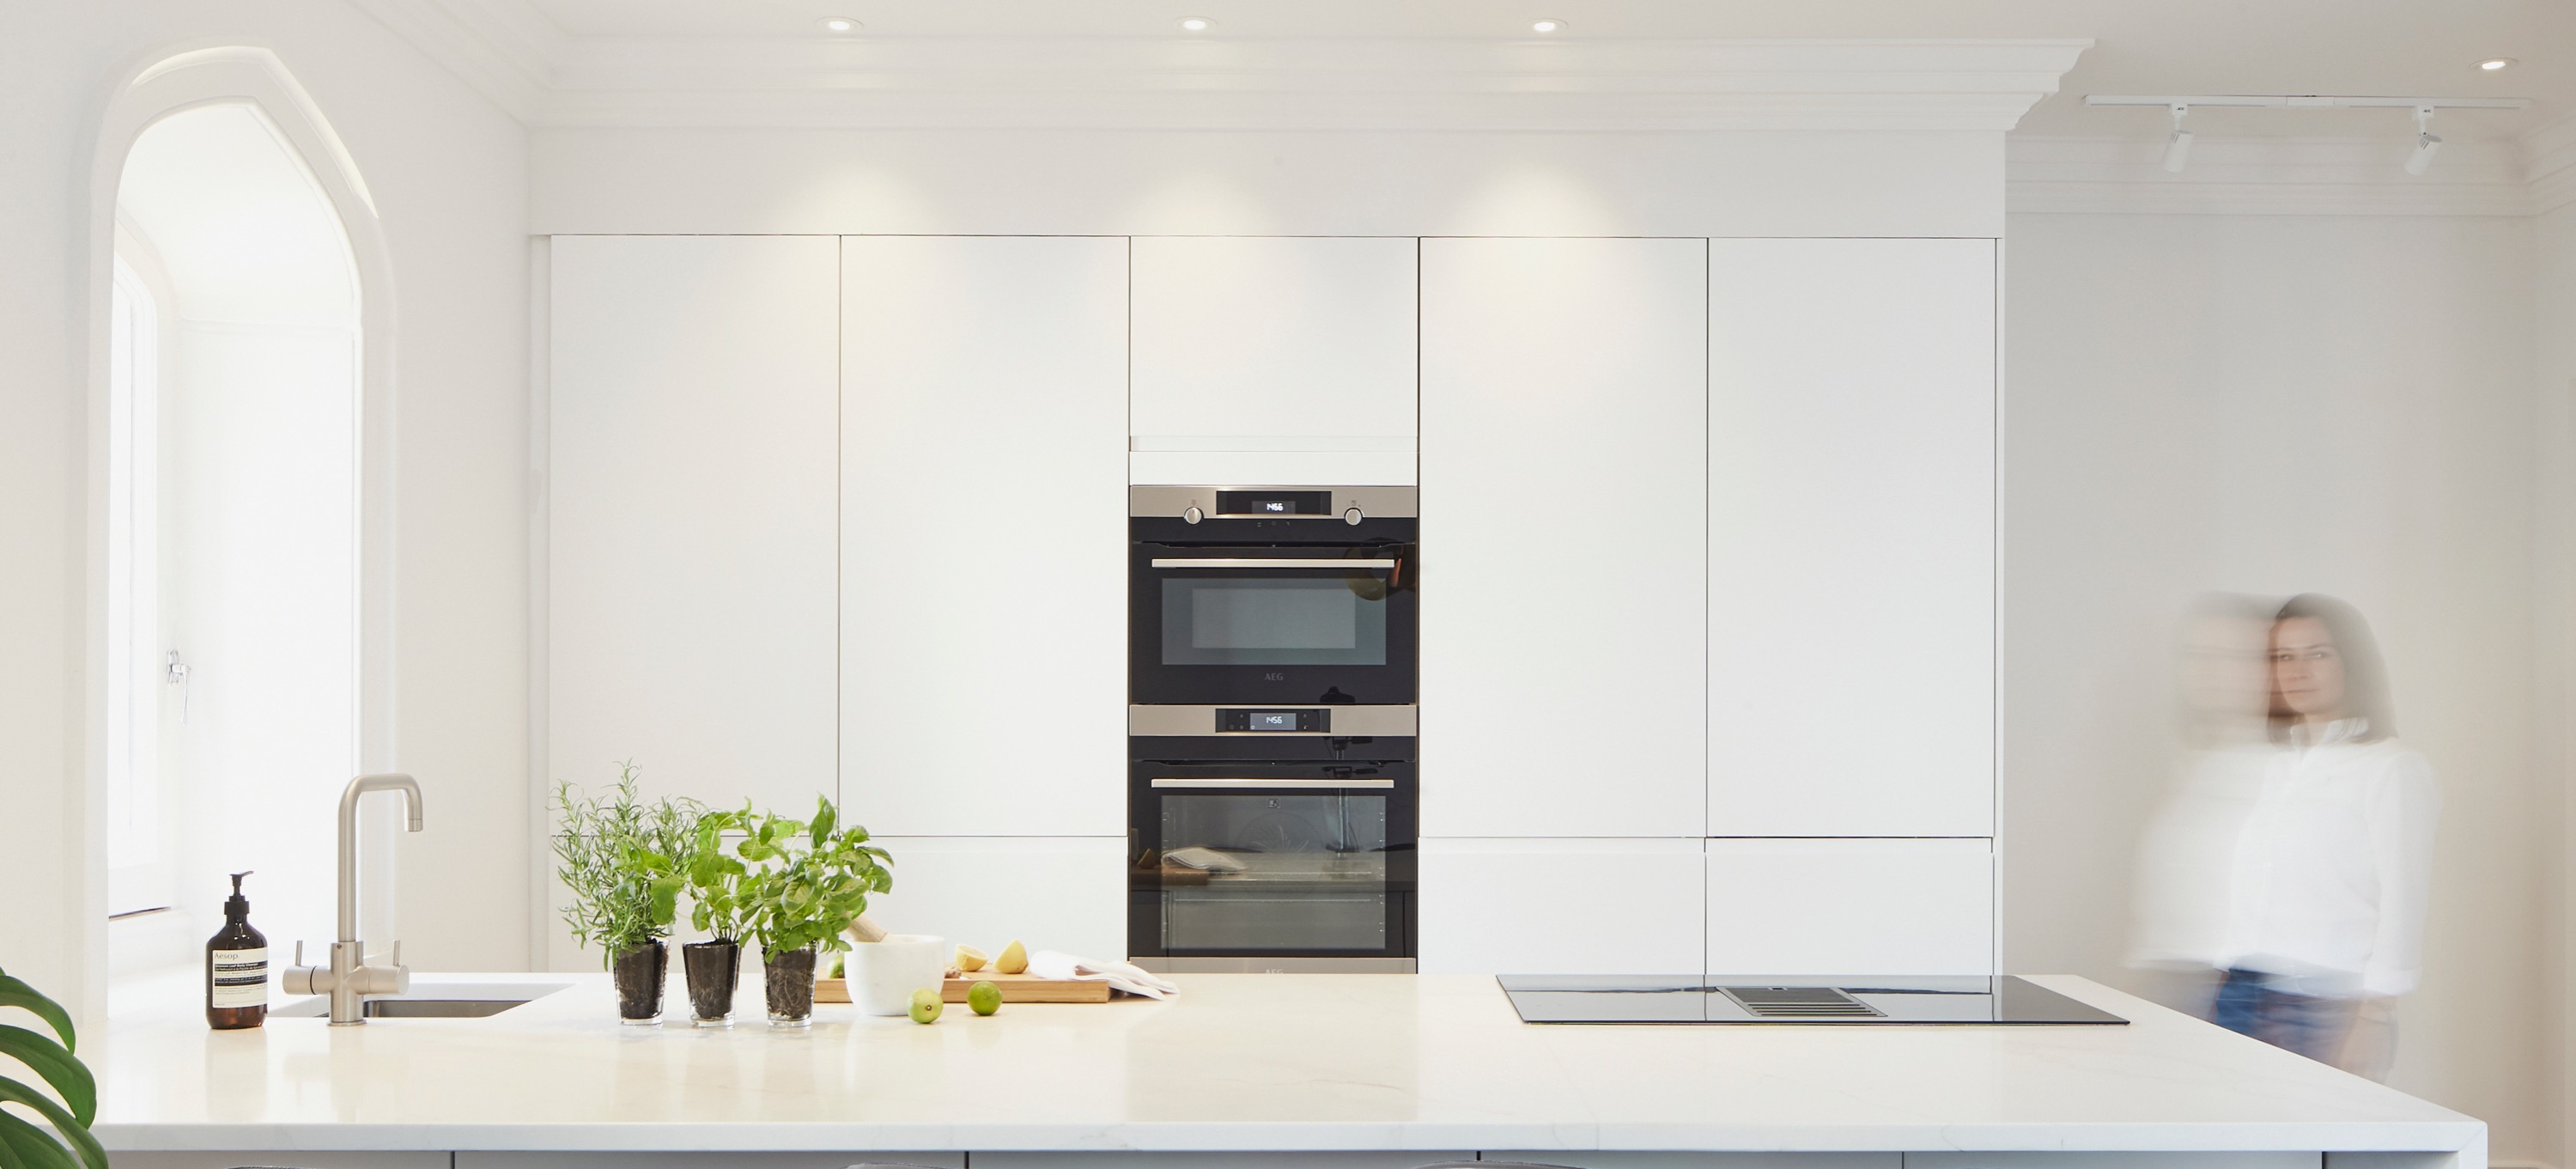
[
  {"x": 1547, "y": 24},
  {"x": 839, "y": 24},
  {"x": 1196, "y": 24},
  {"x": 2496, "y": 64}
]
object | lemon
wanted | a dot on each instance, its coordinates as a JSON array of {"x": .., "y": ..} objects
[
  {"x": 926, "y": 1006},
  {"x": 969, "y": 959},
  {"x": 984, "y": 997},
  {"x": 1014, "y": 959}
]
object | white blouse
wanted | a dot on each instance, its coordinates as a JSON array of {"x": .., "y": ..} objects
[{"x": 2329, "y": 876}]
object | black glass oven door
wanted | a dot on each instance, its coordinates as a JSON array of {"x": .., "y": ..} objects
[
  {"x": 1271, "y": 625},
  {"x": 1243, "y": 866}
]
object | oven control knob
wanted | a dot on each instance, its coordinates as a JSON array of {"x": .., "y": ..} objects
[
  {"x": 1192, "y": 515},
  {"x": 1351, "y": 517}
]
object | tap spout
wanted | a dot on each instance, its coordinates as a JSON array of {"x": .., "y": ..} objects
[{"x": 360, "y": 786}]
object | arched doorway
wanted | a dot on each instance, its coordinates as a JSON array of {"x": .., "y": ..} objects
[{"x": 238, "y": 579}]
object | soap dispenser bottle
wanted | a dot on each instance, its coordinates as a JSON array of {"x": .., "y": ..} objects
[{"x": 236, "y": 968}]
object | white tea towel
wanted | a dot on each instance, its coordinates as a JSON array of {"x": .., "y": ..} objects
[
  {"x": 1207, "y": 859},
  {"x": 1119, "y": 975}
]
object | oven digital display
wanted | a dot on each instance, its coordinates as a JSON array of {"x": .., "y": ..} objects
[
  {"x": 1258, "y": 503},
  {"x": 1290, "y": 721}
]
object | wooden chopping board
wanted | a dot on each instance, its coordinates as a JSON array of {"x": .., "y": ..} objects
[{"x": 1016, "y": 988}]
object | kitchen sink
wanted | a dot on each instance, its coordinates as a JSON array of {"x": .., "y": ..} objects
[{"x": 432, "y": 1000}]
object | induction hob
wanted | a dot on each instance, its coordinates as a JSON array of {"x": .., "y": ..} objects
[{"x": 1853, "y": 1001}]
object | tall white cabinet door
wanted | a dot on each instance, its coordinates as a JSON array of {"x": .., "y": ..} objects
[
  {"x": 1274, "y": 360},
  {"x": 1852, "y": 537},
  {"x": 983, "y": 535},
  {"x": 1564, "y": 477},
  {"x": 1792, "y": 907},
  {"x": 691, "y": 457},
  {"x": 1561, "y": 907}
]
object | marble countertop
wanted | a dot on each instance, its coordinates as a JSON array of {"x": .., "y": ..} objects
[{"x": 1276, "y": 1061}]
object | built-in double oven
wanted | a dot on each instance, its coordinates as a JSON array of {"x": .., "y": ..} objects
[{"x": 1272, "y": 658}]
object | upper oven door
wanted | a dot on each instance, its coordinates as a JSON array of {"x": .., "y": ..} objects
[{"x": 1271, "y": 624}]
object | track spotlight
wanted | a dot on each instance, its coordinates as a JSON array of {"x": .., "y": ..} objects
[
  {"x": 2426, "y": 142},
  {"x": 2178, "y": 145}
]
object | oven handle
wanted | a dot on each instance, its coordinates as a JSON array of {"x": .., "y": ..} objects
[
  {"x": 1213, "y": 562},
  {"x": 1186, "y": 781}
]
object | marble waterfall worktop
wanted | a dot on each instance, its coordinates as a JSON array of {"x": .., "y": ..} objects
[{"x": 1237, "y": 1062}]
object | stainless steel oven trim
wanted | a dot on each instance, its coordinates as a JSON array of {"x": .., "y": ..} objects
[
  {"x": 1277, "y": 562},
  {"x": 1232, "y": 782},
  {"x": 1348, "y": 721},
  {"x": 1376, "y": 502},
  {"x": 1276, "y": 965}
]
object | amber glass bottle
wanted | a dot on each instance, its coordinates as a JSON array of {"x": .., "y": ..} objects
[{"x": 236, "y": 968}]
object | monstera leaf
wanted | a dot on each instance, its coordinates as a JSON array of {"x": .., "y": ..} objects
[{"x": 71, "y": 1107}]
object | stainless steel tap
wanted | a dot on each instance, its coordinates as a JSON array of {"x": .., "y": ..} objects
[{"x": 349, "y": 977}]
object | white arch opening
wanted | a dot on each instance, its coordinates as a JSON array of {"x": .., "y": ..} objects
[{"x": 240, "y": 514}]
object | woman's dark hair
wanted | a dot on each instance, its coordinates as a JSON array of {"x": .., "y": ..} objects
[{"x": 2365, "y": 678}]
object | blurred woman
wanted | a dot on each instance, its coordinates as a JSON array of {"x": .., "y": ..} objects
[{"x": 2327, "y": 887}]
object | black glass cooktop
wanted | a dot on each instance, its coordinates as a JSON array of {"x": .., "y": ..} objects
[{"x": 1856, "y": 1001}]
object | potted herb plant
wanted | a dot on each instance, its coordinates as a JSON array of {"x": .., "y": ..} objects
[
  {"x": 621, "y": 859},
  {"x": 718, "y": 882},
  {"x": 21, "y": 1142},
  {"x": 813, "y": 879}
]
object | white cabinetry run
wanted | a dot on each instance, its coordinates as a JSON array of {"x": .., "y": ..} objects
[
  {"x": 1851, "y": 515},
  {"x": 1265, "y": 361},
  {"x": 1827, "y": 907},
  {"x": 1564, "y": 464},
  {"x": 983, "y": 493},
  {"x": 1580, "y": 906},
  {"x": 692, "y": 454}
]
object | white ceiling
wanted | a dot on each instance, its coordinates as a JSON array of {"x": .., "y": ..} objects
[{"x": 2408, "y": 47}]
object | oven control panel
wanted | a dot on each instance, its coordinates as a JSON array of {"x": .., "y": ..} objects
[{"x": 1286, "y": 721}]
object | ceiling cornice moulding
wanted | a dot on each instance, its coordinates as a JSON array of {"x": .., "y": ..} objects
[
  {"x": 1385, "y": 84},
  {"x": 2263, "y": 176}
]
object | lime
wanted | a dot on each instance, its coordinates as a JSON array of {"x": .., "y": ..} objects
[
  {"x": 985, "y": 997},
  {"x": 926, "y": 1006}
]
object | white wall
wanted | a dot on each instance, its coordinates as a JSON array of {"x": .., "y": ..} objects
[
  {"x": 2270, "y": 405},
  {"x": 1057, "y": 182},
  {"x": 2554, "y": 590},
  {"x": 448, "y": 173}
]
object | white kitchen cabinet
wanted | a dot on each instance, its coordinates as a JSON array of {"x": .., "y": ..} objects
[
  {"x": 1564, "y": 485},
  {"x": 692, "y": 467},
  {"x": 1052, "y": 893},
  {"x": 726, "y": 1159},
  {"x": 1851, "y": 522},
  {"x": 1825, "y": 907},
  {"x": 298, "y": 1159},
  {"x": 1570, "y": 906},
  {"x": 1273, "y": 360},
  {"x": 983, "y": 535}
]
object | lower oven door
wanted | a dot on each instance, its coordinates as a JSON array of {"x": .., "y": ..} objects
[{"x": 1272, "y": 867}]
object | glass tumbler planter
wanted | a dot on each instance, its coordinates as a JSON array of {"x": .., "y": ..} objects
[
  {"x": 790, "y": 987},
  {"x": 639, "y": 973},
  {"x": 714, "y": 969}
]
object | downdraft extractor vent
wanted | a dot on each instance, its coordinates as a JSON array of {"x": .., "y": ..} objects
[{"x": 1798, "y": 1002}]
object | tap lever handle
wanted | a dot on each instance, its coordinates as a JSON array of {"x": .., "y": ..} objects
[{"x": 299, "y": 951}]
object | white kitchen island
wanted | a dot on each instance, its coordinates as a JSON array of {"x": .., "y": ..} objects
[{"x": 1326, "y": 1070}]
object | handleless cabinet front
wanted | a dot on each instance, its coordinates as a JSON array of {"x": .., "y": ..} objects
[
  {"x": 1564, "y": 494},
  {"x": 1265, "y": 361},
  {"x": 691, "y": 461},
  {"x": 1851, "y": 487},
  {"x": 983, "y": 536}
]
